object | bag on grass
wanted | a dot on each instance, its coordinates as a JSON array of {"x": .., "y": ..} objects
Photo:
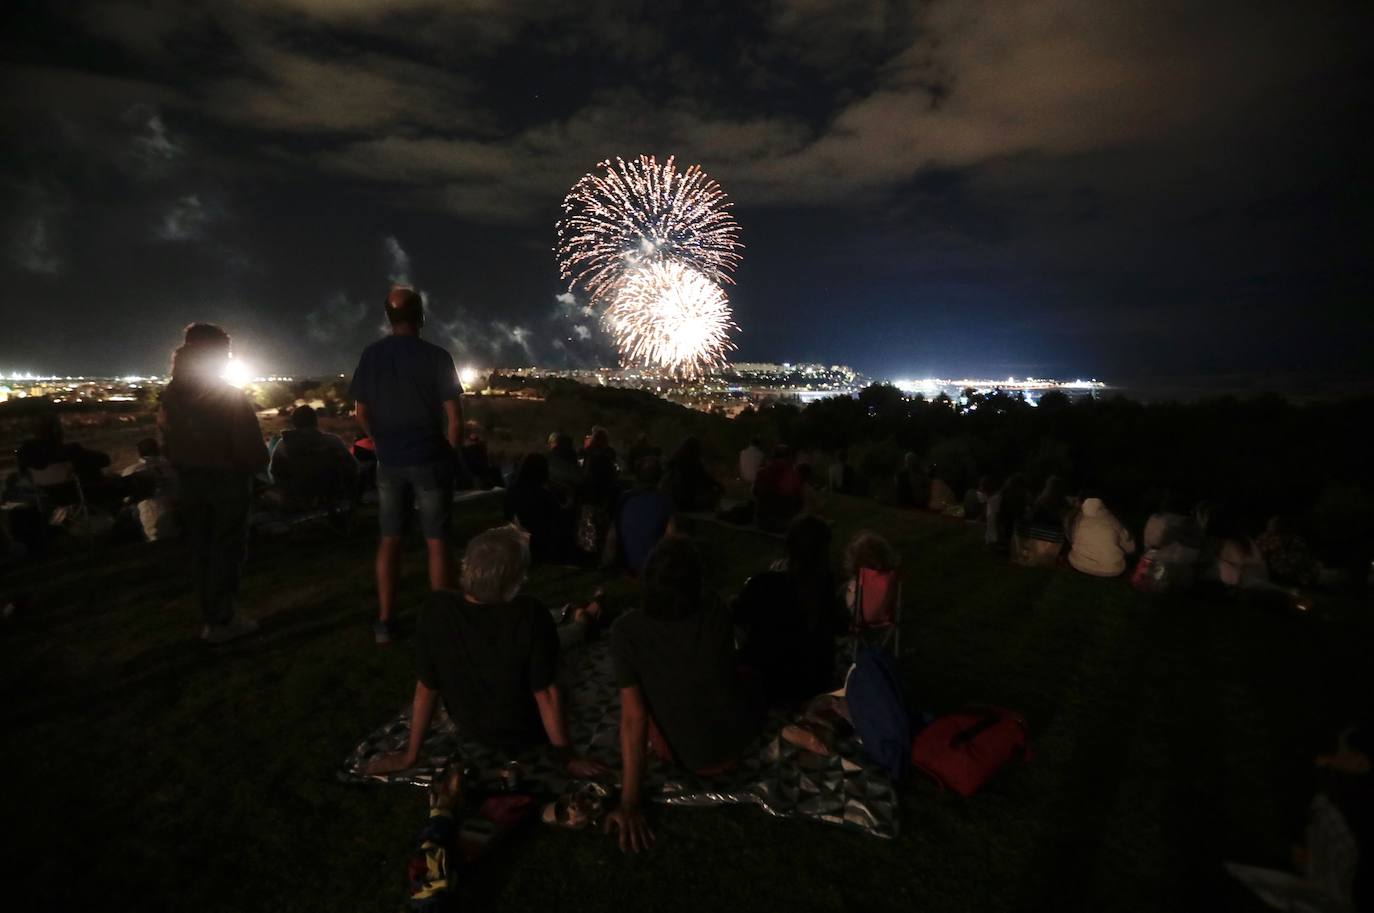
[
  {"x": 878, "y": 711},
  {"x": 963, "y": 750}
]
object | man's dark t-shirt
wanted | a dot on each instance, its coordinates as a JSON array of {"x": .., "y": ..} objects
[
  {"x": 487, "y": 661},
  {"x": 405, "y": 382},
  {"x": 687, "y": 671}
]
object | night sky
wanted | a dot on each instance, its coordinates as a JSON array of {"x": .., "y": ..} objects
[{"x": 1145, "y": 190}]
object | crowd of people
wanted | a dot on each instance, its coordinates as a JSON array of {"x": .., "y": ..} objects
[
  {"x": 1179, "y": 546},
  {"x": 695, "y": 673}
]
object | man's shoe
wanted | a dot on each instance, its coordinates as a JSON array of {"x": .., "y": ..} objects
[{"x": 383, "y": 632}]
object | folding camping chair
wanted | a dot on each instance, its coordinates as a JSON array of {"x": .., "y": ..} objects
[
  {"x": 877, "y": 609},
  {"x": 57, "y": 485}
]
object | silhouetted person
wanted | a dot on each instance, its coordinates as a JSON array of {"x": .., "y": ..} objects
[
  {"x": 644, "y": 516},
  {"x": 153, "y": 488},
  {"x": 564, "y": 474},
  {"x": 477, "y": 461},
  {"x": 680, "y": 690},
  {"x": 410, "y": 405},
  {"x": 1012, "y": 503},
  {"x": 977, "y": 496},
  {"x": 941, "y": 496},
  {"x": 912, "y": 484},
  {"x": 47, "y": 445},
  {"x": 599, "y": 471},
  {"x": 842, "y": 477},
  {"x": 751, "y": 459},
  {"x": 492, "y": 655},
  {"x": 312, "y": 465},
  {"x": 790, "y": 616},
  {"x": 689, "y": 483},
  {"x": 779, "y": 490},
  {"x": 211, "y": 436},
  {"x": 531, "y": 503},
  {"x": 1099, "y": 543}
]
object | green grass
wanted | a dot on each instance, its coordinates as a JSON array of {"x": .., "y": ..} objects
[{"x": 144, "y": 768}]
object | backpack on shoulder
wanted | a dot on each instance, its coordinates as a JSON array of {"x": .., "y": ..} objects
[{"x": 962, "y": 751}]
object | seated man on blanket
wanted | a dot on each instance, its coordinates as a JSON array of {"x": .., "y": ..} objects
[
  {"x": 680, "y": 687},
  {"x": 492, "y": 654}
]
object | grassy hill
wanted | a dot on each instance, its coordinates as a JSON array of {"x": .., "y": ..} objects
[{"x": 145, "y": 768}]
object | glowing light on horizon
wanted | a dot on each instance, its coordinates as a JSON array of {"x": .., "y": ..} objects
[
  {"x": 671, "y": 317},
  {"x": 468, "y": 375},
  {"x": 638, "y": 213},
  {"x": 237, "y": 372}
]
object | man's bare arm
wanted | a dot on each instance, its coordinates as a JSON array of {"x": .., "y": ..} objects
[
  {"x": 550, "y": 704},
  {"x": 421, "y": 712},
  {"x": 627, "y": 821},
  {"x": 363, "y": 416},
  {"x": 453, "y": 409}
]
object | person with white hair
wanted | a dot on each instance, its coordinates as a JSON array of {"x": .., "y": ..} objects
[{"x": 492, "y": 654}]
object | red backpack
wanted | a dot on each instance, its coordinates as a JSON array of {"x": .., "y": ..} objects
[{"x": 963, "y": 750}]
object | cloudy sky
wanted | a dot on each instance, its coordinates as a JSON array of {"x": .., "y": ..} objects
[{"x": 1120, "y": 188}]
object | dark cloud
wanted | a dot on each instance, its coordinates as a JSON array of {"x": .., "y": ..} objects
[{"x": 1039, "y": 182}]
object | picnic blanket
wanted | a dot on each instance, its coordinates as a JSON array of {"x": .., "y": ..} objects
[{"x": 843, "y": 789}]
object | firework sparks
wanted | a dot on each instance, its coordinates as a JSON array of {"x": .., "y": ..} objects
[
  {"x": 669, "y": 316},
  {"x": 640, "y": 213}
]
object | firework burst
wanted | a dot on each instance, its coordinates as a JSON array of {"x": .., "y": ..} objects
[
  {"x": 667, "y": 315},
  {"x": 638, "y": 213}
]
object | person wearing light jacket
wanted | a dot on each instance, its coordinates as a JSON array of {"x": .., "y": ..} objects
[{"x": 1100, "y": 543}]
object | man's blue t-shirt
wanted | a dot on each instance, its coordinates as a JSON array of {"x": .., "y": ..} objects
[{"x": 405, "y": 382}]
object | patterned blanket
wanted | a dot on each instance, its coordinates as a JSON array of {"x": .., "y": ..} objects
[{"x": 842, "y": 789}]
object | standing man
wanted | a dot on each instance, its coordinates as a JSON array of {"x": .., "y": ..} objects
[
  {"x": 211, "y": 437},
  {"x": 410, "y": 405}
]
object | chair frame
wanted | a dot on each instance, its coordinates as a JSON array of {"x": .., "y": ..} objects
[{"x": 892, "y": 632}]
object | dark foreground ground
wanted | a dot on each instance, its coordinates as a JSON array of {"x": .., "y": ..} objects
[{"x": 144, "y": 770}]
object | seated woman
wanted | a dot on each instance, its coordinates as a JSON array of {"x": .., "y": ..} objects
[
  {"x": 791, "y": 615},
  {"x": 492, "y": 655},
  {"x": 681, "y": 692},
  {"x": 687, "y": 480},
  {"x": 530, "y": 503},
  {"x": 1099, "y": 543}
]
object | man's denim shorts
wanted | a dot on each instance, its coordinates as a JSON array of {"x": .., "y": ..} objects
[{"x": 430, "y": 485}]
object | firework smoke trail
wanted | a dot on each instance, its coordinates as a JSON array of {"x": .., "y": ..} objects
[
  {"x": 637, "y": 213},
  {"x": 669, "y": 316}
]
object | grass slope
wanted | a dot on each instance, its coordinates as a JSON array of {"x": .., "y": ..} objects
[{"x": 144, "y": 768}]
